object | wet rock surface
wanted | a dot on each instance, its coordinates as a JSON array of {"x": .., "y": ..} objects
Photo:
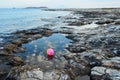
[
  {"x": 105, "y": 73},
  {"x": 16, "y": 61},
  {"x": 94, "y": 53}
]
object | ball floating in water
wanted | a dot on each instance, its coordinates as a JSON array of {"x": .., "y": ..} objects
[{"x": 50, "y": 52}]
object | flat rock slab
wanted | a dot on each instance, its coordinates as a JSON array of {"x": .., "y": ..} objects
[
  {"x": 105, "y": 73},
  {"x": 86, "y": 77},
  {"x": 37, "y": 74}
]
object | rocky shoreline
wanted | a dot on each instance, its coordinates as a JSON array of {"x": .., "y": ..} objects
[{"x": 93, "y": 55}]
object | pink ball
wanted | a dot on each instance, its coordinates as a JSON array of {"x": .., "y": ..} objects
[{"x": 50, "y": 52}]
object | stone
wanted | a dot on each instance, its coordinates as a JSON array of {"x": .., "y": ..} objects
[
  {"x": 113, "y": 62},
  {"x": 104, "y": 73},
  {"x": 50, "y": 76},
  {"x": 16, "y": 61},
  {"x": 64, "y": 76},
  {"x": 37, "y": 74},
  {"x": 108, "y": 21},
  {"x": 46, "y": 32},
  {"x": 78, "y": 23},
  {"x": 4, "y": 69},
  {"x": 55, "y": 75},
  {"x": 69, "y": 56},
  {"x": 98, "y": 71},
  {"x": 10, "y": 47},
  {"x": 117, "y": 22},
  {"x": 4, "y": 53},
  {"x": 76, "y": 69},
  {"x": 76, "y": 48},
  {"x": 36, "y": 36},
  {"x": 34, "y": 74},
  {"x": 18, "y": 42},
  {"x": 24, "y": 40},
  {"x": 114, "y": 74},
  {"x": 19, "y": 49}
]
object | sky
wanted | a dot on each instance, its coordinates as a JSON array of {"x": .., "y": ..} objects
[{"x": 60, "y": 3}]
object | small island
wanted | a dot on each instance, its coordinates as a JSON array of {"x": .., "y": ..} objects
[{"x": 42, "y": 7}]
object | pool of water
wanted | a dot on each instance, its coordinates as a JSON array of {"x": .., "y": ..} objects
[{"x": 36, "y": 51}]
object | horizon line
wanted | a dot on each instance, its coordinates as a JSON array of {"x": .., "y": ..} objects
[{"x": 62, "y": 7}]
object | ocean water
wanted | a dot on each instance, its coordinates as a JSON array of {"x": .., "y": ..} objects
[{"x": 20, "y": 19}]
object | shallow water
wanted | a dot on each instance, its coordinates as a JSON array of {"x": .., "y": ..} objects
[
  {"x": 36, "y": 51},
  {"x": 56, "y": 41}
]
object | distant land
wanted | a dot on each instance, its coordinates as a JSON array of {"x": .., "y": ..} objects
[
  {"x": 42, "y": 7},
  {"x": 70, "y": 9}
]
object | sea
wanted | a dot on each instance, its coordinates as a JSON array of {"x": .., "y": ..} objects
[{"x": 13, "y": 19}]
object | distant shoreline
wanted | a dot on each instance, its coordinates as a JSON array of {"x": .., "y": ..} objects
[{"x": 72, "y": 9}]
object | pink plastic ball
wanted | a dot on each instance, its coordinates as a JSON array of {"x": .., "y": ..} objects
[{"x": 50, "y": 52}]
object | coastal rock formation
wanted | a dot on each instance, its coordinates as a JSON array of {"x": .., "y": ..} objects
[{"x": 93, "y": 54}]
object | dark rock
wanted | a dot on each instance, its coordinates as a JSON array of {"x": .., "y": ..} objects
[
  {"x": 4, "y": 70},
  {"x": 78, "y": 23},
  {"x": 76, "y": 49},
  {"x": 71, "y": 36},
  {"x": 10, "y": 47},
  {"x": 24, "y": 40},
  {"x": 4, "y": 53},
  {"x": 117, "y": 22},
  {"x": 105, "y": 21},
  {"x": 19, "y": 49},
  {"x": 18, "y": 42},
  {"x": 112, "y": 62},
  {"x": 32, "y": 32},
  {"x": 59, "y": 16},
  {"x": 16, "y": 61},
  {"x": 98, "y": 73},
  {"x": 69, "y": 56},
  {"x": 46, "y": 32},
  {"x": 20, "y": 32},
  {"x": 77, "y": 70}
]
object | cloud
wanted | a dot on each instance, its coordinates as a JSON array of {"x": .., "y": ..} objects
[{"x": 61, "y": 3}]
